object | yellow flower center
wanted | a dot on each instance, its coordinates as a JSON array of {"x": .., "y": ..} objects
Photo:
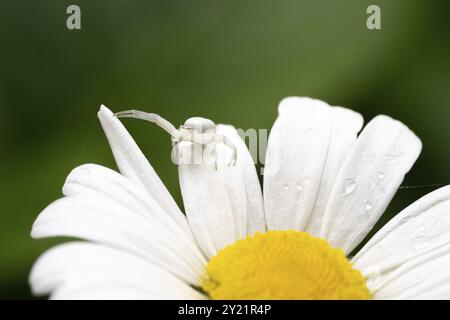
[{"x": 283, "y": 265}]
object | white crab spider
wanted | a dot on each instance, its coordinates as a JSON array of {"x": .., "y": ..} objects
[{"x": 187, "y": 132}]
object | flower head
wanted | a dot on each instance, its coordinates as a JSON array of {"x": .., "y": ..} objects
[{"x": 324, "y": 189}]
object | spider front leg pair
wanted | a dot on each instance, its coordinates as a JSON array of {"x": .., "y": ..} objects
[
  {"x": 207, "y": 139},
  {"x": 186, "y": 132}
]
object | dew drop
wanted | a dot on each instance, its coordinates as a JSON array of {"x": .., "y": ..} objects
[
  {"x": 369, "y": 206},
  {"x": 349, "y": 186},
  {"x": 299, "y": 186},
  {"x": 285, "y": 187},
  {"x": 381, "y": 175}
]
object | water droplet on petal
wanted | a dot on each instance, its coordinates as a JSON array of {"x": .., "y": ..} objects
[
  {"x": 381, "y": 175},
  {"x": 299, "y": 186},
  {"x": 368, "y": 207},
  {"x": 285, "y": 187},
  {"x": 349, "y": 186}
]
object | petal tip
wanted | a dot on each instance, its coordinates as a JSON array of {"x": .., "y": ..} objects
[
  {"x": 104, "y": 112},
  {"x": 33, "y": 233},
  {"x": 104, "y": 108},
  {"x": 292, "y": 103}
]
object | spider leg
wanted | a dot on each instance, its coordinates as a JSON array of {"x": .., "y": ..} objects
[
  {"x": 208, "y": 138},
  {"x": 150, "y": 117}
]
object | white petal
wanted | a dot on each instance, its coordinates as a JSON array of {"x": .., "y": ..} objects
[
  {"x": 370, "y": 176},
  {"x": 133, "y": 164},
  {"x": 97, "y": 218},
  {"x": 345, "y": 126},
  {"x": 207, "y": 204},
  {"x": 92, "y": 180},
  {"x": 423, "y": 277},
  {"x": 296, "y": 154},
  {"x": 223, "y": 203},
  {"x": 80, "y": 270},
  {"x": 253, "y": 196},
  {"x": 102, "y": 291},
  {"x": 409, "y": 246}
]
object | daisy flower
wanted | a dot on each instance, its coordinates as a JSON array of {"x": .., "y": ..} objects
[{"x": 324, "y": 186}]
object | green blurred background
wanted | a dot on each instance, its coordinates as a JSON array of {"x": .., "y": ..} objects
[{"x": 231, "y": 61}]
